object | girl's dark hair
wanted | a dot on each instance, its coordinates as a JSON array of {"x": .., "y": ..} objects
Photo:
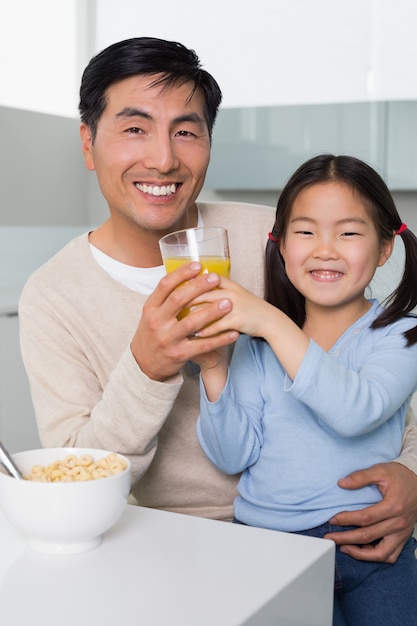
[
  {"x": 144, "y": 55},
  {"x": 367, "y": 184}
]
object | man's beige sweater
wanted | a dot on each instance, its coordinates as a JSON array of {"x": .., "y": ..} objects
[{"x": 88, "y": 391}]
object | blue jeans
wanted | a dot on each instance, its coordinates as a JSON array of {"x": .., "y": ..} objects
[{"x": 371, "y": 593}]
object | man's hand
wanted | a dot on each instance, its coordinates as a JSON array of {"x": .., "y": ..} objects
[
  {"x": 162, "y": 344},
  {"x": 391, "y": 520}
]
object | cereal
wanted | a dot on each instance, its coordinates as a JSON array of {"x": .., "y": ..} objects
[{"x": 77, "y": 469}]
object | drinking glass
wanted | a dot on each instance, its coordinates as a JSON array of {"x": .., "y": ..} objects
[{"x": 209, "y": 246}]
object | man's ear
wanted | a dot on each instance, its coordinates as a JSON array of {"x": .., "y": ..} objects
[{"x": 87, "y": 146}]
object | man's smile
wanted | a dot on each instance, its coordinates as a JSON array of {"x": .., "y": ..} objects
[{"x": 157, "y": 190}]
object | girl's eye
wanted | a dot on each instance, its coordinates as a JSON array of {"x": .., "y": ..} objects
[{"x": 349, "y": 234}]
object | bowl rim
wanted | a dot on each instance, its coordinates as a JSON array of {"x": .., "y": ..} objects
[{"x": 76, "y": 451}]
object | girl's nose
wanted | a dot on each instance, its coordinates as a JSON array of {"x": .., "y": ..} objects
[{"x": 326, "y": 248}]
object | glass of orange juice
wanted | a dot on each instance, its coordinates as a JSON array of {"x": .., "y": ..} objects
[{"x": 207, "y": 245}]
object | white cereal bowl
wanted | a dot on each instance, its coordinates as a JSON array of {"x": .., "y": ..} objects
[{"x": 63, "y": 517}]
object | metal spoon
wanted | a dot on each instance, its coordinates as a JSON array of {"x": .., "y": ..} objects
[{"x": 9, "y": 464}]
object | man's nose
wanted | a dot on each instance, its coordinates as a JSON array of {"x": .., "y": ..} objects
[{"x": 161, "y": 154}]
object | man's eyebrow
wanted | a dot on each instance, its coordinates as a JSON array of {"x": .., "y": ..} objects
[
  {"x": 128, "y": 112},
  {"x": 189, "y": 117},
  {"x": 133, "y": 112}
]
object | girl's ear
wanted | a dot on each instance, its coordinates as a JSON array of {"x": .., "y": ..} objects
[
  {"x": 282, "y": 247},
  {"x": 386, "y": 251}
]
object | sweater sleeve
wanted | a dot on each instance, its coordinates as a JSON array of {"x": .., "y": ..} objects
[
  {"x": 344, "y": 400},
  {"x": 230, "y": 429},
  {"x": 77, "y": 402},
  {"x": 408, "y": 455},
  {"x": 354, "y": 402}
]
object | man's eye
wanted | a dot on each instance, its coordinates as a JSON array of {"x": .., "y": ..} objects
[
  {"x": 135, "y": 130},
  {"x": 185, "y": 133}
]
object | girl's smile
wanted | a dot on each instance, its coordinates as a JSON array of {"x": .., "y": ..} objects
[{"x": 326, "y": 275}]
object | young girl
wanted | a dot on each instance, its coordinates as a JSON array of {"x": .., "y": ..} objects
[{"x": 321, "y": 378}]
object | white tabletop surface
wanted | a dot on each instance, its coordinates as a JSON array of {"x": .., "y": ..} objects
[{"x": 156, "y": 568}]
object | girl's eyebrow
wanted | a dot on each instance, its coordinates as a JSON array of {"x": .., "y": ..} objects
[
  {"x": 345, "y": 220},
  {"x": 301, "y": 218}
]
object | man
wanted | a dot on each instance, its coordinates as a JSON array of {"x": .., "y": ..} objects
[{"x": 109, "y": 363}]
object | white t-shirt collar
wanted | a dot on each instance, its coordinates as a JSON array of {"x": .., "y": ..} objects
[{"x": 140, "y": 279}]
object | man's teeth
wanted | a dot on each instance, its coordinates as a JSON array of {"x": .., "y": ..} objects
[{"x": 155, "y": 190}]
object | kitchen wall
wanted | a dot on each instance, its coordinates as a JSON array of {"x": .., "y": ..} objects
[
  {"x": 262, "y": 53},
  {"x": 43, "y": 180},
  {"x": 267, "y": 53},
  {"x": 44, "y": 45}
]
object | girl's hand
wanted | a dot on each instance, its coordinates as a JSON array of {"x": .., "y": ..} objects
[
  {"x": 254, "y": 316},
  {"x": 248, "y": 314}
]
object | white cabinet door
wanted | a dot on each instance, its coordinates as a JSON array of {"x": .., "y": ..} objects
[{"x": 17, "y": 418}]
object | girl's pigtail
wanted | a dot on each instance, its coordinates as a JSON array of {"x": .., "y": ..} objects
[{"x": 403, "y": 301}]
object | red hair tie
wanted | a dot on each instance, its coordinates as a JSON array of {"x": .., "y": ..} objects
[
  {"x": 273, "y": 238},
  {"x": 401, "y": 229}
]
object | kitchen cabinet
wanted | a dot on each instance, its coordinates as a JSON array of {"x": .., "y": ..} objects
[
  {"x": 258, "y": 148},
  {"x": 17, "y": 418},
  {"x": 401, "y": 153}
]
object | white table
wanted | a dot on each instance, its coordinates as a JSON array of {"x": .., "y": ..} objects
[{"x": 156, "y": 568}]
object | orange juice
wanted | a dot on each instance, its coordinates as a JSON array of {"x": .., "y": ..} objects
[{"x": 217, "y": 264}]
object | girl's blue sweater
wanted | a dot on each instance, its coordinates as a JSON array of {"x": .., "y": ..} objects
[{"x": 292, "y": 440}]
